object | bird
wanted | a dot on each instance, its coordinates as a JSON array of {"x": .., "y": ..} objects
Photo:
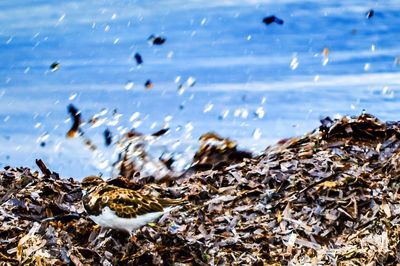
[{"x": 121, "y": 208}]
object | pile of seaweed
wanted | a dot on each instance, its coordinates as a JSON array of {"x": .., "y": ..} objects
[{"x": 329, "y": 197}]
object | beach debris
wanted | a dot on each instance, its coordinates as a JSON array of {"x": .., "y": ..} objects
[
  {"x": 156, "y": 40},
  {"x": 216, "y": 151},
  {"x": 54, "y": 66},
  {"x": 76, "y": 121},
  {"x": 272, "y": 19},
  {"x": 370, "y": 13},
  {"x": 148, "y": 84},
  {"x": 45, "y": 171},
  {"x": 107, "y": 137},
  {"x": 329, "y": 197},
  {"x": 135, "y": 162}
]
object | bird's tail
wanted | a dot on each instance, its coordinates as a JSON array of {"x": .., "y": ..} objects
[{"x": 171, "y": 202}]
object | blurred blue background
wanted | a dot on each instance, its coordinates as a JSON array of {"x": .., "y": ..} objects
[{"x": 252, "y": 82}]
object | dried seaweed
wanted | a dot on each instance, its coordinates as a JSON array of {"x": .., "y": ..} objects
[{"x": 329, "y": 197}]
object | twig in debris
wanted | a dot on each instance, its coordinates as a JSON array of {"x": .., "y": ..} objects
[{"x": 45, "y": 171}]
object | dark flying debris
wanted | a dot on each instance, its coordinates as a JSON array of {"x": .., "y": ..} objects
[
  {"x": 148, "y": 84},
  {"x": 160, "y": 132},
  {"x": 168, "y": 162},
  {"x": 138, "y": 59},
  {"x": 76, "y": 121},
  {"x": 273, "y": 19},
  {"x": 55, "y": 66},
  {"x": 156, "y": 40},
  {"x": 370, "y": 13},
  {"x": 75, "y": 129},
  {"x": 42, "y": 144},
  {"x": 107, "y": 137}
]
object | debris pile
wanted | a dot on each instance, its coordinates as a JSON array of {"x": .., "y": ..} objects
[{"x": 329, "y": 197}]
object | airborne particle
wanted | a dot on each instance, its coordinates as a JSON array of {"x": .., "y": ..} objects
[
  {"x": 107, "y": 137},
  {"x": 208, "y": 107},
  {"x": 148, "y": 84},
  {"x": 160, "y": 132},
  {"x": 325, "y": 52},
  {"x": 257, "y": 134},
  {"x": 129, "y": 85},
  {"x": 273, "y": 19},
  {"x": 73, "y": 96},
  {"x": 138, "y": 59},
  {"x": 156, "y": 40},
  {"x": 76, "y": 118},
  {"x": 55, "y": 66},
  {"x": 294, "y": 63},
  {"x": 260, "y": 112},
  {"x": 191, "y": 81},
  {"x": 370, "y": 13}
]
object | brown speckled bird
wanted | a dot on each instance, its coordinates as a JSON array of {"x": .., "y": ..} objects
[{"x": 121, "y": 208}]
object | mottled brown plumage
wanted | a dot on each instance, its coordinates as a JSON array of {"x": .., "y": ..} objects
[{"x": 126, "y": 203}]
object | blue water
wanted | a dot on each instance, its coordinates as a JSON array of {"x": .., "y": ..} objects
[{"x": 238, "y": 63}]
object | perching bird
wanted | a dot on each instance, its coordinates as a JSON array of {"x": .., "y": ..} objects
[{"x": 121, "y": 208}]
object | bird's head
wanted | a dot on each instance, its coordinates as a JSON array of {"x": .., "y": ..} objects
[{"x": 91, "y": 181}]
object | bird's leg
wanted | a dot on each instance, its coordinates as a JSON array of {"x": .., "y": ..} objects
[
  {"x": 132, "y": 236},
  {"x": 103, "y": 232},
  {"x": 99, "y": 236}
]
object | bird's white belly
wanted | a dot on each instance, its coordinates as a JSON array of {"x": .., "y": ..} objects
[{"x": 109, "y": 219}]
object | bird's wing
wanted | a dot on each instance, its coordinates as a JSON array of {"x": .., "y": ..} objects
[{"x": 127, "y": 203}]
